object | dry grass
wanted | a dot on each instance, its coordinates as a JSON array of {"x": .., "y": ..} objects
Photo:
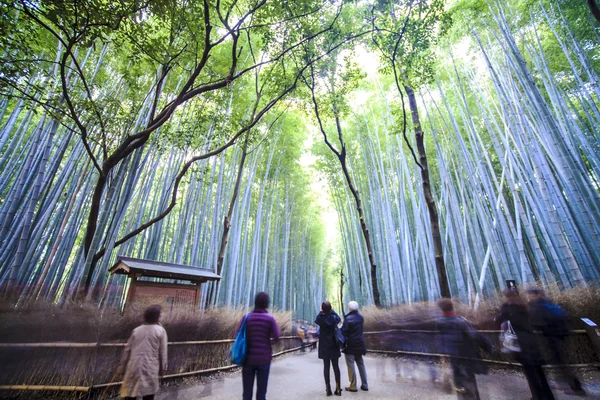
[
  {"x": 43, "y": 322},
  {"x": 84, "y": 323},
  {"x": 578, "y": 302}
]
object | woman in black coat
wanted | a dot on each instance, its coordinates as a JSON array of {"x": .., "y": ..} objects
[
  {"x": 515, "y": 311},
  {"x": 329, "y": 351}
]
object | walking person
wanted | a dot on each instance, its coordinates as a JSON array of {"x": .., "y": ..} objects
[
  {"x": 329, "y": 351},
  {"x": 303, "y": 334},
  {"x": 315, "y": 337},
  {"x": 515, "y": 311},
  {"x": 144, "y": 358},
  {"x": 356, "y": 347},
  {"x": 461, "y": 342},
  {"x": 551, "y": 320},
  {"x": 261, "y": 327}
]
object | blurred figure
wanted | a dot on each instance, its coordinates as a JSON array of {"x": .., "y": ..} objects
[
  {"x": 305, "y": 335},
  {"x": 393, "y": 341},
  {"x": 144, "y": 358},
  {"x": 388, "y": 341},
  {"x": 317, "y": 335},
  {"x": 356, "y": 347},
  {"x": 301, "y": 332},
  {"x": 329, "y": 351},
  {"x": 459, "y": 339},
  {"x": 551, "y": 320},
  {"x": 312, "y": 337},
  {"x": 260, "y": 328},
  {"x": 515, "y": 311}
]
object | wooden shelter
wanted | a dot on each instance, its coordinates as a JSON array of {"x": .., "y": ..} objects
[{"x": 179, "y": 285}]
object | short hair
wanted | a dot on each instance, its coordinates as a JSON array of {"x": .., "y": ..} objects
[
  {"x": 353, "y": 306},
  {"x": 326, "y": 307},
  {"x": 152, "y": 314},
  {"x": 535, "y": 291},
  {"x": 513, "y": 297},
  {"x": 261, "y": 300},
  {"x": 510, "y": 293},
  {"x": 445, "y": 305}
]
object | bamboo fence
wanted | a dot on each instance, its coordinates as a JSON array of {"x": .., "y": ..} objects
[
  {"x": 89, "y": 388},
  {"x": 582, "y": 342}
]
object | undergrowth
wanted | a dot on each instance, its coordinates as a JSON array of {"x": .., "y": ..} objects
[
  {"x": 76, "y": 366},
  {"x": 43, "y": 322},
  {"x": 578, "y": 302}
]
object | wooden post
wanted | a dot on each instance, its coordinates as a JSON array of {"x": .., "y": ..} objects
[
  {"x": 197, "y": 296},
  {"x": 132, "y": 285},
  {"x": 593, "y": 332}
]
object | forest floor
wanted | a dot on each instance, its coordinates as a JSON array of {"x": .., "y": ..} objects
[{"x": 299, "y": 376}]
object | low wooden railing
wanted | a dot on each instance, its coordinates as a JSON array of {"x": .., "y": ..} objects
[
  {"x": 409, "y": 342},
  {"x": 41, "y": 363},
  {"x": 76, "y": 367}
]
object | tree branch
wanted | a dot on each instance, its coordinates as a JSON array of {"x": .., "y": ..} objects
[
  {"x": 229, "y": 143},
  {"x": 311, "y": 87},
  {"x": 69, "y": 44},
  {"x": 71, "y": 107},
  {"x": 393, "y": 58}
]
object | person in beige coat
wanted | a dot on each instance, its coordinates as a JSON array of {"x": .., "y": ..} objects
[{"x": 144, "y": 358}]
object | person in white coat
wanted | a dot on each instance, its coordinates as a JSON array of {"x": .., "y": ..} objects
[{"x": 144, "y": 358}]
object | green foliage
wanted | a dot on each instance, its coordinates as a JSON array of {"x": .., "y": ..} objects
[
  {"x": 529, "y": 17},
  {"x": 405, "y": 33},
  {"x": 123, "y": 47}
]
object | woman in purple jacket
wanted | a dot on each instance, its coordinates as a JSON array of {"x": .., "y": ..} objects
[{"x": 260, "y": 328}]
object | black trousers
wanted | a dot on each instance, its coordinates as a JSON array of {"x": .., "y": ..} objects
[
  {"x": 538, "y": 384},
  {"x": 334, "y": 362},
  {"x": 465, "y": 378},
  {"x": 149, "y": 397},
  {"x": 555, "y": 344}
]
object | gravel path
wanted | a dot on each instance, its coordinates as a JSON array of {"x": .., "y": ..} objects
[{"x": 299, "y": 377}]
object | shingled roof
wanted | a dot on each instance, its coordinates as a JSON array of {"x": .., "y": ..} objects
[{"x": 157, "y": 269}]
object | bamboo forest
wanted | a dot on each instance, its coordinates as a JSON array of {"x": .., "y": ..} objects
[{"x": 387, "y": 152}]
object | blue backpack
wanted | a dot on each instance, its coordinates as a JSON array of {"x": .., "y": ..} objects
[{"x": 237, "y": 354}]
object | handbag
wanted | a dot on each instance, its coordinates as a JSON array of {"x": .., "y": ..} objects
[
  {"x": 237, "y": 353},
  {"x": 509, "y": 339},
  {"x": 340, "y": 340}
]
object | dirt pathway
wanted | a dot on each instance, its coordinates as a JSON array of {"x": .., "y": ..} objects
[{"x": 299, "y": 377}]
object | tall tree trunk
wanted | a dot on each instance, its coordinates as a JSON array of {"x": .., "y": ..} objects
[
  {"x": 431, "y": 207},
  {"x": 227, "y": 222},
  {"x": 341, "y": 156},
  {"x": 342, "y": 281},
  {"x": 363, "y": 225}
]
